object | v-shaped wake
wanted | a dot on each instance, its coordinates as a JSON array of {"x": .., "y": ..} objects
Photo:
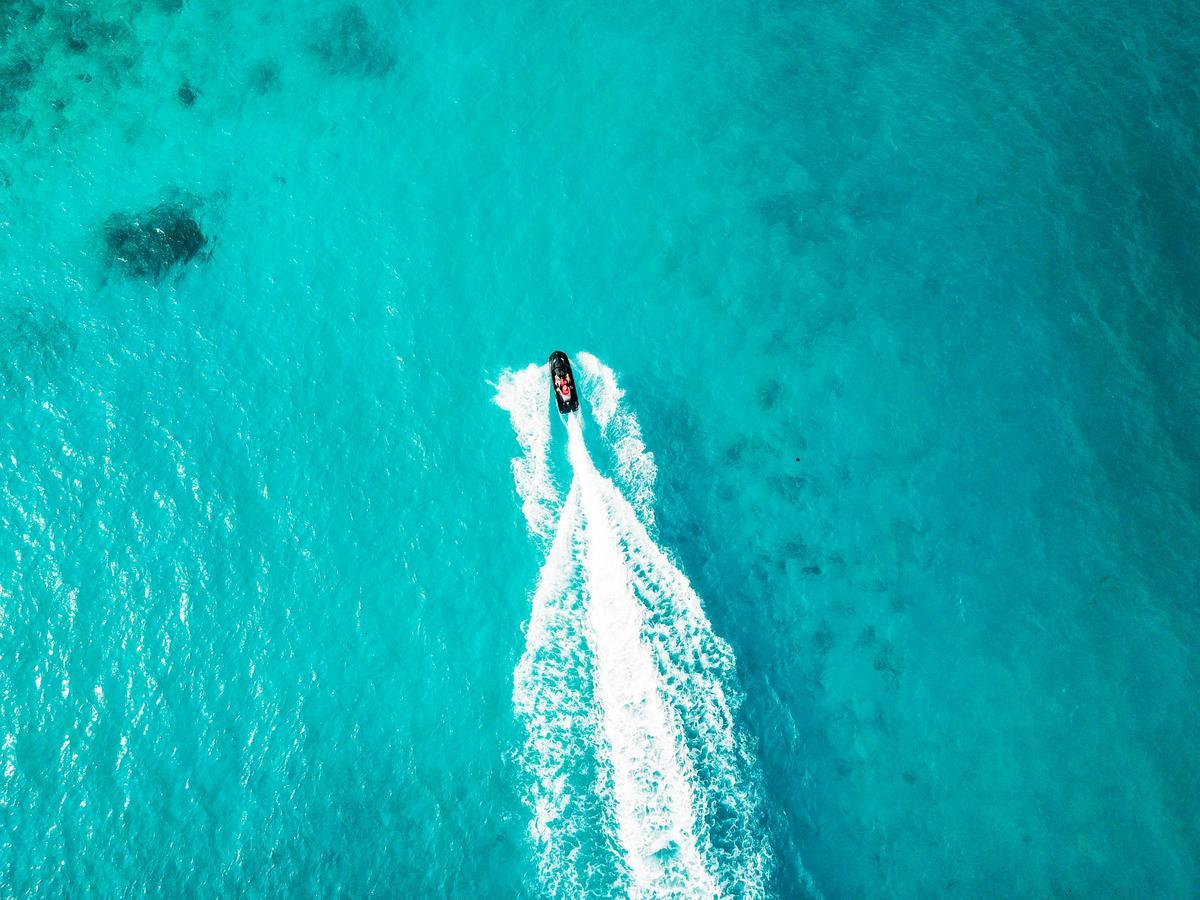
[{"x": 640, "y": 782}]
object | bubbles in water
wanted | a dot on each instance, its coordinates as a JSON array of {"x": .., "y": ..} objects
[{"x": 640, "y": 781}]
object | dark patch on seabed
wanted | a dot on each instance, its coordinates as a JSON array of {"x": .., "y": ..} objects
[
  {"x": 187, "y": 94},
  {"x": 264, "y": 77},
  {"x": 33, "y": 342},
  {"x": 15, "y": 79},
  {"x": 82, "y": 30},
  {"x": 348, "y": 44},
  {"x": 52, "y": 51},
  {"x": 150, "y": 244}
]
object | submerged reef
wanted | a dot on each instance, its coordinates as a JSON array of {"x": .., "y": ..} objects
[
  {"x": 51, "y": 52},
  {"x": 15, "y": 79},
  {"x": 348, "y": 44},
  {"x": 33, "y": 342},
  {"x": 264, "y": 77},
  {"x": 81, "y": 30},
  {"x": 149, "y": 244}
]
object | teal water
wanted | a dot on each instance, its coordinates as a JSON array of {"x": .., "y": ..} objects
[{"x": 904, "y": 302}]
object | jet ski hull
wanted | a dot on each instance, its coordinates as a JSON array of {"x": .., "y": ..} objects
[{"x": 562, "y": 383}]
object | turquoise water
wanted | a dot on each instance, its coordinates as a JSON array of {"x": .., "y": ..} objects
[{"x": 904, "y": 303}]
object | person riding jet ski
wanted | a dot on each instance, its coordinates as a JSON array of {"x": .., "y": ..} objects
[{"x": 562, "y": 382}]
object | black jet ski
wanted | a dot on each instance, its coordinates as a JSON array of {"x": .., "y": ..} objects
[{"x": 562, "y": 383}]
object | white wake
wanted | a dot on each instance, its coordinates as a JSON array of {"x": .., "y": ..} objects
[{"x": 640, "y": 783}]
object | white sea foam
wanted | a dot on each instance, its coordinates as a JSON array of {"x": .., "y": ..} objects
[
  {"x": 619, "y": 427},
  {"x": 640, "y": 782},
  {"x": 523, "y": 395},
  {"x": 553, "y": 695},
  {"x": 652, "y": 776}
]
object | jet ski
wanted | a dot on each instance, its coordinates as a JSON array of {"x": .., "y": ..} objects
[{"x": 562, "y": 383}]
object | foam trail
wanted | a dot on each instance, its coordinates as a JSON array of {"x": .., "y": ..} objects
[
  {"x": 522, "y": 394},
  {"x": 640, "y": 783},
  {"x": 553, "y": 694},
  {"x": 619, "y": 427},
  {"x": 652, "y": 780}
]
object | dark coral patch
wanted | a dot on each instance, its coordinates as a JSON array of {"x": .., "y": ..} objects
[
  {"x": 149, "y": 244},
  {"x": 16, "y": 16},
  {"x": 768, "y": 393},
  {"x": 84, "y": 29},
  {"x": 187, "y": 94},
  {"x": 264, "y": 77},
  {"x": 733, "y": 453},
  {"x": 823, "y": 639},
  {"x": 348, "y": 44},
  {"x": 17, "y": 76},
  {"x": 32, "y": 343},
  {"x": 796, "y": 549},
  {"x": 15, "y": 79},
  {"x": 888, "y": 660}
]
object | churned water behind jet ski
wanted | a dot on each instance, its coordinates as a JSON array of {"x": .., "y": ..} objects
[{"x": 562, "y": 383}]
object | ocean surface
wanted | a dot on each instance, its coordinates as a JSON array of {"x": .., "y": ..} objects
[{"x": 868, "y": 569}]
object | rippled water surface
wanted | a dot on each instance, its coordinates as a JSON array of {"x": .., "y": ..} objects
[{"x": 894, "y": 594}]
